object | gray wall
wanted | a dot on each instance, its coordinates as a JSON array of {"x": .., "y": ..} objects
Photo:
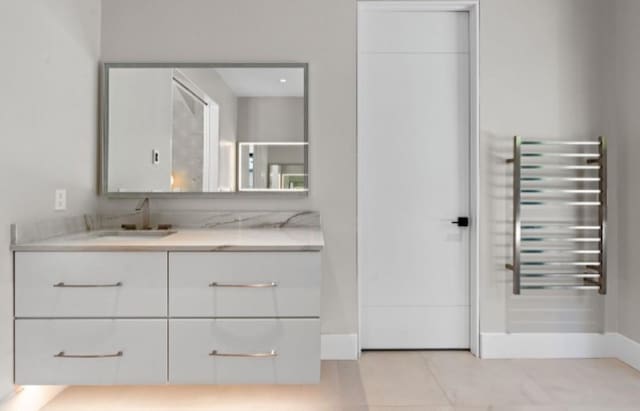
[
  {"x": 320, "y": 32},
  {"x": 48, "y": 124},
  {"x": 626, "y": 121},
  {"x": 270, "y": 119},
  {"x": 543, "y": 75}
]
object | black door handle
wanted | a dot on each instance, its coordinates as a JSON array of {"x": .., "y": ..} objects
[{"x": 461, "y": 222}]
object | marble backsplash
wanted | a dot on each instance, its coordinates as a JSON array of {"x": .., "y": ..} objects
[
  {"x": 31, "y": 231},
  {"x": 216, "y": 219}
]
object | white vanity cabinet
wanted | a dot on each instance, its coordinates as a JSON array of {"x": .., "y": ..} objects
[
  {"x": 244, "y": 317},
  {"x": 244, "y": 351},
  {"x": 178, "y": 317},
  {"x": 90, "y": 351},
  {"x": 91, "y": 284},
  {"x": 90, "y": 317},
  {"x": 247, "y": 284}
]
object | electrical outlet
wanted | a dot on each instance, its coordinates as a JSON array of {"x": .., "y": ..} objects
[{"x": 61, "y": 200}]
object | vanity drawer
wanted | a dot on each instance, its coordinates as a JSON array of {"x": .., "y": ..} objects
[
  {"x": 45, "y": 350},
  {"x": 90, "y": 284},
  {"x": 244, "y": 351},
  {"x": 247, "y": 284}
]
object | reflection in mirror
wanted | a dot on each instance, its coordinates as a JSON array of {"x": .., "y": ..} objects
[
  {"x": 272, "y": 166},
  {"x": 200, "y": 128},
  {"x": 194, "y": 137}
]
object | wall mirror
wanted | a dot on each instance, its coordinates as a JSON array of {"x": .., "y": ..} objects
[{"x": 185, "y": 129}]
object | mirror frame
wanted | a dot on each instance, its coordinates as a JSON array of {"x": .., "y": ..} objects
[{"x": 104, "y": 132}]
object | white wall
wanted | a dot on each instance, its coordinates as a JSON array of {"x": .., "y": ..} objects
[
  {"x": 140, "y": 121},
  {"x": 543, "y": 75},
  {"x": 320, "y": 32},
  {"x": 48, "y": 124},
  {"x": 626, "y": 120}
]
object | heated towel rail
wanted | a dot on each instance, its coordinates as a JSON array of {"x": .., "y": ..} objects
[{"x": 559, "y": 215}]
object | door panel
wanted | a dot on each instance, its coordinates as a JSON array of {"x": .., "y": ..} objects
[
  {"x": 414, "y": 32},
  {"x": 413, "y": 155},
  {"x": 414, "y": 174},
  {"x": 433, "y": 327}
]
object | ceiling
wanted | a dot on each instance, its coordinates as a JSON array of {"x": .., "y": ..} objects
[{"x": 264, "y": 82}]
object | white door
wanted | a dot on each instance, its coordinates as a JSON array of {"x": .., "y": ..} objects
[{"x": 413, "y": 178}]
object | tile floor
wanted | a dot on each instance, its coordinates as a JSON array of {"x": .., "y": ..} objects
[{"x": 400, "y": 381}]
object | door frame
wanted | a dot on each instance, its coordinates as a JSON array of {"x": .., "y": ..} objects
[{"x": 473, "y": 8}]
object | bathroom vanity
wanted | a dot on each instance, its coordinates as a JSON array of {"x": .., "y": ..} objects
[
  {"x": 206, "y": 297},
  {"x": 228, "y": 304}
]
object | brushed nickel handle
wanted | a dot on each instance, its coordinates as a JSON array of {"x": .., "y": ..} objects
[
  {"x": 63, "y": 285},
  {"x": 269, "y": 354},
  {"x": 257, "y": 285},
  {"x": 62, "y": 354}
]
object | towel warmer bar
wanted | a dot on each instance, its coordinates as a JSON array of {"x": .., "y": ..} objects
[{"x": 567, "y": 253}]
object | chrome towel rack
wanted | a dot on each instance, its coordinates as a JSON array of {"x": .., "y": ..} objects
[{"x": 559, "y": 215}]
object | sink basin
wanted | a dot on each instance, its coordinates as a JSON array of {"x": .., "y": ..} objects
[{"x": 133, "y": 234}]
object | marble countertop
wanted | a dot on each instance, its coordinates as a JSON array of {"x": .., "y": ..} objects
[
  {"x": 239, "y": 239},
  {"x": 194, "y": 231}
]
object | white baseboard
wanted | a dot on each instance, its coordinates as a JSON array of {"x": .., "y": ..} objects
[
  {"x": 31, "y": 398},
  {"x": 627, "y": 350},
  {"x": 339, "y": 346},
  {"x": 559, "y": 345},
  {"x": 546, "y": 345}
]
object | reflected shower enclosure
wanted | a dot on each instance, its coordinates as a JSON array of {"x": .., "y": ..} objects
[{"x": 194, "y": 139}]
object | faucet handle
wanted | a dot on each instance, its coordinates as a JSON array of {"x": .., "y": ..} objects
[{"x": 142, "y": 204}]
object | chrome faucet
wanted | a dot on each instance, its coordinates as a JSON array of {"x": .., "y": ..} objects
[{"x": 143, "y": 206}]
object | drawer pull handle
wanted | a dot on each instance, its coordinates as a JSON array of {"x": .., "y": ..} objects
[
  {"x": 63, "y": 285},
  {"x": 258, "y": 285},
  {"x": 269, "y": 354},
  {"x": 61, "y": 354}
]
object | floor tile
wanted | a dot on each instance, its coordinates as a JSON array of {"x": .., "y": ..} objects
[
  {"x": 529, "y": 408},
  {"x": 469, "y": 381},
  {"x": 428, "y": 408},
  {"x": 399, "y": 378},
  {"x": 340, "y": 389},
  {"x": 395, "y": 381},
  {"x": 602, "y": 408},
  {"x": 586, "y": 382},
  {"x": 350, "y": 390}
]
